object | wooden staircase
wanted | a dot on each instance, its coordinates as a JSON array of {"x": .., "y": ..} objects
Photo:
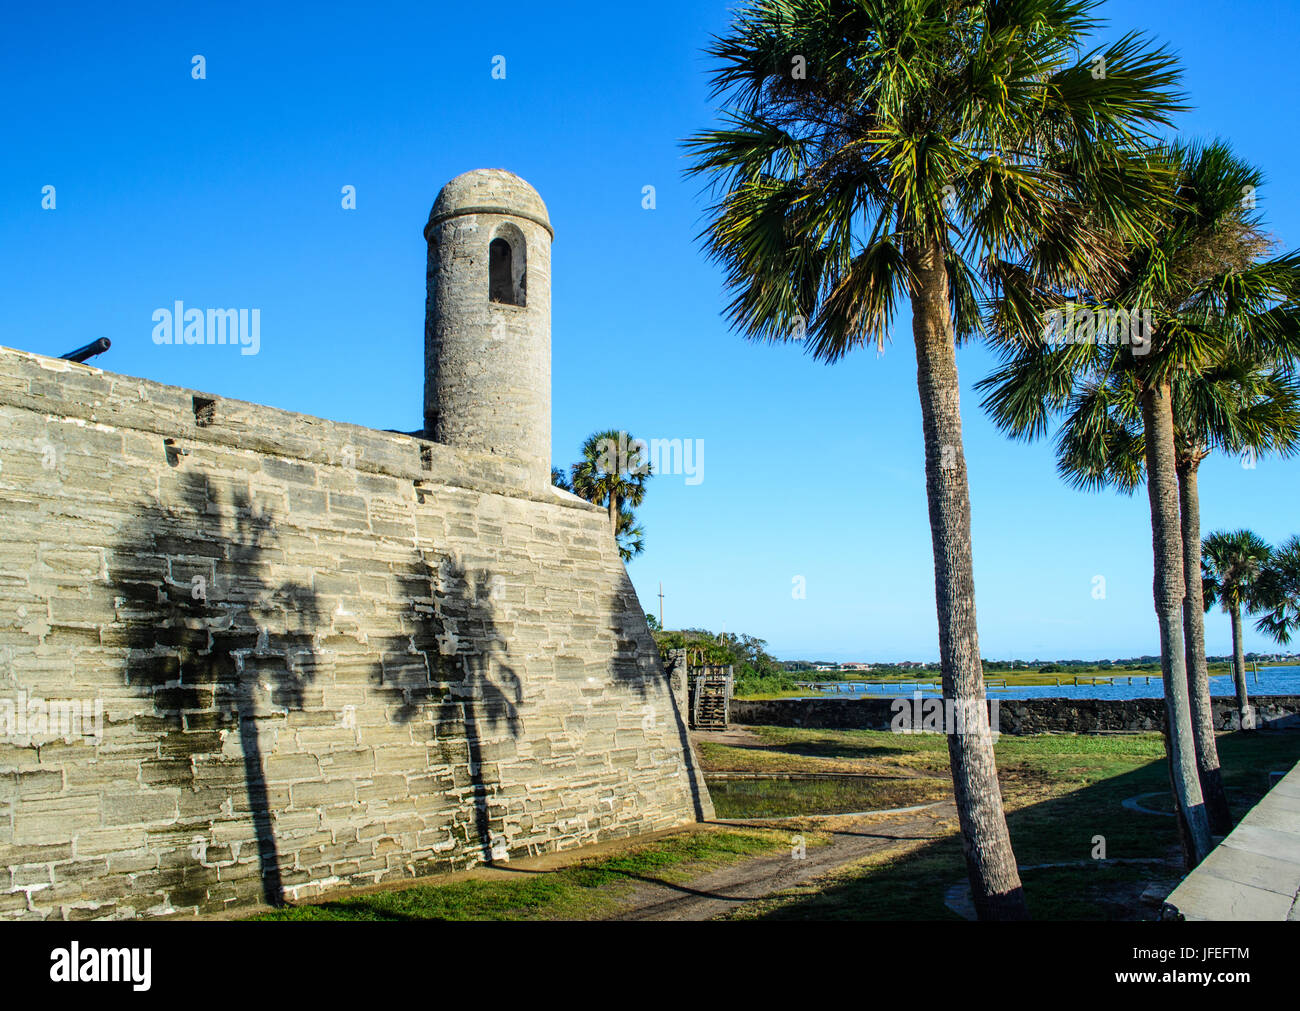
[{"x": 710, "y": 696}]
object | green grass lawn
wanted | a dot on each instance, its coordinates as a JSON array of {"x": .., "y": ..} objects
[
  {"x": 1062, "y": 792},
  {"x": 586, "y": 890}
]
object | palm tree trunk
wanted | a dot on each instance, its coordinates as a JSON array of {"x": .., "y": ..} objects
[
  {"x": 1239, "y": 669},
  {"x": 1169, "y": 590},
  {"x": 1198, "y": 671},
  {"x": 613, "y": 514},
  {"x": 1184, "y": 830},
  {"x": 990, "y": 862}
]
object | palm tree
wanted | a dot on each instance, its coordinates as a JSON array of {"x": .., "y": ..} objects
[
  {"x": 1240, "y": 408},
  {"x": 630, "y": 535},
  {"x": 1235, "y": 406},
  {"x": 1279, "y": 593},
  {"x": 1231, "y": 567},
  {"x": 1209, "y": 301},
  {"x": 1232, "y": 406},
  {"x": 878, "y": 149},
  {"x": 612, "y": 472},
  {"x": 561, "y": 479}
]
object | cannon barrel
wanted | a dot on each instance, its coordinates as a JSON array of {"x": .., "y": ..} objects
[{"x": 89, "y": 351}]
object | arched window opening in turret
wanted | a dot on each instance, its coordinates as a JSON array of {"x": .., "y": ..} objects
[{"x": 506, "y": 263}]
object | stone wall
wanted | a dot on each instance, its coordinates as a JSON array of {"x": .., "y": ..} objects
[
  {"x": 676, "y": 667},
  {"x": 1024, "y": 716},
  {"x": 324, "y": 656}
]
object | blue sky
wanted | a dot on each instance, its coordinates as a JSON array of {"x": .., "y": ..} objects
[{"x": 226, "y": 192}]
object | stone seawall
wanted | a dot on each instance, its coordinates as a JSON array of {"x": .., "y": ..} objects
[
  {"x": 321, "y": 656},
  {"x": 1023, "y": 716}
]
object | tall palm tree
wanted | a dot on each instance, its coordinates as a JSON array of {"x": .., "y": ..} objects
[
  {"x": 1209, "y": 302},
  {"x": 1279, "y": 593},
  {"x": 878, "y": 149},
  {"x": 1234, "y": 406},
  {"x": 612, "y": 472},
  {"x": 1231, "y": 566},
  {"x": 1239, "y": 407}
]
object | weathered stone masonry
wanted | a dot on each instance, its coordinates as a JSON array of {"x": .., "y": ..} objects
[{"x": 326, "y": 655}]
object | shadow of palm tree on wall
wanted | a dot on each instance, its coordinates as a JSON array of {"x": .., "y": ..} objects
[
  {"x": 220, "y": 646},
  {"x": 637, "y": 663},
  {"x": 217, "y": 648},
  {"x": 451, "y": 670}
]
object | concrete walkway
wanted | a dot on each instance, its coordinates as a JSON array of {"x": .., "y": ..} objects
[{"x": 1254, "y": 874}]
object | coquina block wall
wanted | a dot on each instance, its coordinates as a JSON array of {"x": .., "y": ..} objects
[{"x": 325, "y": 656}]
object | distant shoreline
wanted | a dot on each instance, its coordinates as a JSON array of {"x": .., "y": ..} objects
[
  {"x": 1020, "y": 675},
  {"x": 1080, "y": 677}
]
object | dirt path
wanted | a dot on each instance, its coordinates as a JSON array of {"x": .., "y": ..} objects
[
  {"x": 852, "y": 838},
  {"x": 736, "y": 736}
]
